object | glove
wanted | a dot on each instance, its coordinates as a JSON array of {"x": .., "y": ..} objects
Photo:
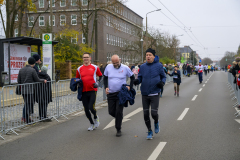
[
  {"x": 136, "y": 82},
  {"x": 160, "y": 84},
  {"x": 95, "y": 85}
]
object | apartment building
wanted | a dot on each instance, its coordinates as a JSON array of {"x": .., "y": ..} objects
[{"x": 117, "y": 26}]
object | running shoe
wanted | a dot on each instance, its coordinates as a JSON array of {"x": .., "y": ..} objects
[
  {"x": 150, "y": 135},
  {"x": 157, "y": 127},
  {"x": 178, "y": 94},
  {"x": 92, "y": 127},
  {"x": 119, "y": 133},
  {"x": 96, "y": 122},
  {"x": 160, "y": 95},
  {"x": 175, "y": 94}
]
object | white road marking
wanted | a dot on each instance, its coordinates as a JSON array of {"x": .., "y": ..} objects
[
  {"x": 204, "y": 85},
  {"x": 183, "y": 114},
  {"x": 157, "y": 151},
  {"x": 238, "y": 120},
  {"x": 194, "y": 97},
  {"x": 125, "y": 119},
  {"x": 200, "y": 90},
  {"x": 206, "y": 82},
  {"x": 78, "y": 113}
]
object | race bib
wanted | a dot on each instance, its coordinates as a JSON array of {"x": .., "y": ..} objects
[{"x": 175, "y": 76}]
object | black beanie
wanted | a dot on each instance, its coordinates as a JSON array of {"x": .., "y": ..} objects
[
  {"x": 36, "y": 57},
  {"x": 31, "y": 61},
  {"x": 151, "y": 51}
]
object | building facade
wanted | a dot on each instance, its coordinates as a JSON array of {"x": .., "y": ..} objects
[{"x": 117, "y": 26}]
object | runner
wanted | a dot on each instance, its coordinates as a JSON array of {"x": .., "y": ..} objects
[
  {"x": 152, "y": 77},
  {"x": 205, "y": 69},
  {"x": 176, "y": 80},
  {"x": 209, "y": 67},
  {"x": 200, "y": 72},
  {"x": 87, "y": 73},
  {"x": 114, "y": 77}
]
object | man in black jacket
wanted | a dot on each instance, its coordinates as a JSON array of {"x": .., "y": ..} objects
[
  {"x": 28, "y": 75},
  {"x": 37, "y": 63}
]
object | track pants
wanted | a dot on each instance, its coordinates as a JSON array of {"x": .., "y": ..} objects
[
  {"x": 154, "y": 102},
  {"x": 115, "y": 110},
  {"x": 200, "y": 77},
  {"x": 88, "y": 100}
]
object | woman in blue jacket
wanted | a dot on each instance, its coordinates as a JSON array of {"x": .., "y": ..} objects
[{"x": 176, "y": 80}]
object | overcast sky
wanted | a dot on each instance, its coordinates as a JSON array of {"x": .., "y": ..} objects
[{"x": 215, "y": 23}]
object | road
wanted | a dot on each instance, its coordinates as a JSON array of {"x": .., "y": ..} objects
[{"x": 198, "y": 125}]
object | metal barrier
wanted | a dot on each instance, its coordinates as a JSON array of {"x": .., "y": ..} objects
[
  {"x": 37, "y": 102},
  {"x": 235, "y": 91}
]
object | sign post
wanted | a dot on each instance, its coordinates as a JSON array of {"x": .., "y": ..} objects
[{"x": 47, "y": 52}]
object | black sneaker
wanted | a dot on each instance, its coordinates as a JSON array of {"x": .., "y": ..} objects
[
  {"x": 175, "y": 94},
  {"x": 178, "y": 94},
  {"x": 119, "y": 134}
]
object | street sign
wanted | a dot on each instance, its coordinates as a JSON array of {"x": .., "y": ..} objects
[{"x": 47, "y": 52}]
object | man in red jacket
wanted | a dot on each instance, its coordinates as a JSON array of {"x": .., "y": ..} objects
[{"x": 88, "y": 73}]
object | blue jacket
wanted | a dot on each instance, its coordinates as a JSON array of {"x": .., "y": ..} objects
[
  {"x": 178, "y": 74},
  {"x": 149, "y": 75},
  {"x": 126, "y": 96},
  {"x": 75, "y": 87}
]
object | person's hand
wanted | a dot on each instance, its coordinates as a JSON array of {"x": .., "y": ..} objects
[
  {"x": 136, "y": 82},
  {"x": 45, "y": 81},
  {"x": 160, "y": 84},
  {"x": 128, "y": 88},
  {"x": 39, "y": 70},
  {"x": 107, "y": 90},
  {"x": 175, "y": 71}
]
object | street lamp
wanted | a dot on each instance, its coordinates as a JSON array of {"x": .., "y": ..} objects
[
  {"x": 142, "y": 48},
  {"x": 146, "y": 17}
]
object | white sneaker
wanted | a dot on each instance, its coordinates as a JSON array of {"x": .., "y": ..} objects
[
  {"x": 92, "y": 127},
  {"x": 96, "y": 122}
]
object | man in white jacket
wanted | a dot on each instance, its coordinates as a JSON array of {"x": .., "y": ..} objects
[{"x": 200, "y": 72}]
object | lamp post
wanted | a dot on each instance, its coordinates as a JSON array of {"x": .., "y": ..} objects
[
  {"x": 146, "y": 17},
  {"x": 142, "y": 48}
]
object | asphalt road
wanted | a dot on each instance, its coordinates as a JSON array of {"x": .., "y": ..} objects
[{"x": 198, "y": 125}]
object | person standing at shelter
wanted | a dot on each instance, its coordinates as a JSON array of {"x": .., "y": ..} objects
[
  {"x": 28, "y": 75},
  {"x": 152, "y": 77},
  {"x": 44, "y": 94},
  {"x": 200, "y": 72},
  {"x": 88, "y": 73},
  {"x": 37, "y": 63},
  {"x": 114, "y": 77}
]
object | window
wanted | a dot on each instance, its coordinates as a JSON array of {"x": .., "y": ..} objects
[
  {"x": 74, "y": 19},
  {"x": 84, "y": 19},
  {"x": 62, "y": 3},
  {"x": 83, "y": 39},
  {"x": 74, "y": 40},
  {"x": 53, "y": 3},
  {"x": 41, "y": 21},
  {"x": 106, "y": 20},
  {"x": 107, "y": 38},
  {"x": 114, "y": 40},
  {"x": 16, "y": 32},
  {"x": 73, "y": 2},
  {"x": 30, "y": 21},
  {"x": 84, "y": 2},
  {"x": 53, "y": 20},
  {"x": 16, "y": 17},
  {"x": 41, "y": 3},
  {"x": 62, "y": 20}
]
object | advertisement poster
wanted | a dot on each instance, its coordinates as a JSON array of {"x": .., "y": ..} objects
[{"x": 19, "y": 54}]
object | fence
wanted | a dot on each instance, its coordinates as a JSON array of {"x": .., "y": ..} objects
[
  {"x": 234, "y": 91},
  {"x": 54, "y": 99}
]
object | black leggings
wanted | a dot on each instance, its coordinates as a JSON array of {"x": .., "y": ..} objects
[
  {"x": 88, "y": 100},
  {"x": 154, "y": 102}
]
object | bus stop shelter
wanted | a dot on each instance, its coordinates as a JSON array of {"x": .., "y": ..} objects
[{"x": 6, "y": 52}]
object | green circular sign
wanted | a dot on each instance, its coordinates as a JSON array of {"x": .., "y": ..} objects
[{"x": 46, "y": 37}]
